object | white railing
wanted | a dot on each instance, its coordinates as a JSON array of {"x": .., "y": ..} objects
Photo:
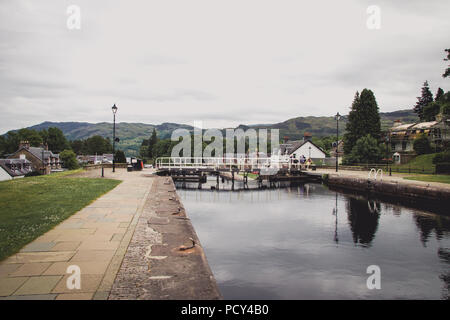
[
  {"x": 375, "y": 174},
  {"x": 217, "y": 163}
]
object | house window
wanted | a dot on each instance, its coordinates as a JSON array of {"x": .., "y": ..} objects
[
  {"x": 404, "y": 144},
  {"x": 393, "y": 145}
]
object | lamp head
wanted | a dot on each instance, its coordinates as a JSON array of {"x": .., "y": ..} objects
[
  {"x": 337, "y": 117},
  {"x": 114, "y": 109}
]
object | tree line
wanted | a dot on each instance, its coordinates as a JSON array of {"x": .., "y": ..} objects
[{"x": 57, "y": 143}]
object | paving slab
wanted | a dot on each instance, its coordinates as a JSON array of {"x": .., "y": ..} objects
[
  {"x": 38, "y": 285},
  {"x": 31, "y": 269},
  {"x": 9, "y": 285}
]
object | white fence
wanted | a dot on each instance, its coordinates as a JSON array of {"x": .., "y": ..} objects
[{"x": 216, "y": 163}]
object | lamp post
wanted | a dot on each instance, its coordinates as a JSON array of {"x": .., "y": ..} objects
[
  {"x": 114, "y": 110},
  {"x": 337, "y": 117},
  {"x": 387, "y": 153}
]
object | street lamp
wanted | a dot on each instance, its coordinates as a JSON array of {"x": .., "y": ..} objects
[
  {"x": 387, "y": 153},
  {"x": 114, "y": 110},
  {"x": 337, "y": 117}
]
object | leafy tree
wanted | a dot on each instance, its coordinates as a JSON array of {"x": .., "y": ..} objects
[
  {"x": 32, "y": 136},
  {"x": 439, "y": 94},
  {"x": 78, "y": 146},
  {"x": 422, "y": 144},
  {"x": 12, "y": 141},
  {"x": 56, "y": 140},
  {"x": 151, "y": 144},
  {"x": 423, "y": 101},
  {"x": 447, "y": 71},
  {"x": 363, "y": 120},
  {"x": 119, "y": 157},
  {"x": 143, "y": 151},
  {"x": 98, "y": 145},
  {"x": 366, "y": 150},
  {"x": 69, "y": 159},
  {"x": 2, "y": 146}
]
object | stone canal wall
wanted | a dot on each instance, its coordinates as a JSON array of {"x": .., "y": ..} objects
[
  {"x": 164, "y": 259},
  {"x": 401, "y": 188}
]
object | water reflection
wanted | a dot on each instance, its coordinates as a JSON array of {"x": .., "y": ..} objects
[
  {"x": 306, "y": 242},
  {"x": 363, "y": 218},
  {"x": 429, "y": 224}
]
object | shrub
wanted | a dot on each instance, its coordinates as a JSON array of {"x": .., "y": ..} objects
[
  {"x": 120, "y": 157},
  {"x": 422, "y": 145},
  {"x": 69, "y": 159},
  {"x": 366, "y": 150},
  {"x": 442, "y": 157},
  {"x": 33, "y": 174},
  {"x": 443, "y": 167}
]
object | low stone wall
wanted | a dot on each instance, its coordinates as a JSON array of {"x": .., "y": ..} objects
[{"x": 391, "y": 188}]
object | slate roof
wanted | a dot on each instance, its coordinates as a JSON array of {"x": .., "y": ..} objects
[
  {"x": 6, "y": 164},
  {"x": 38, "y": 152}
]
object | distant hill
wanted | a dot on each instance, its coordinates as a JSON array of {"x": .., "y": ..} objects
[
  {"x": 326, "y": 126},
  {"x": 132, "y": 134}
]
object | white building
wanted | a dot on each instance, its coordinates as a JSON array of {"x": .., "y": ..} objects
[
  {"x": 305, "y": 148},
  {"x": 4, "y": 175}
]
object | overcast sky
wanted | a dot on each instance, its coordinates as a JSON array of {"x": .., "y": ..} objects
[{"x": 221, "y": 62}]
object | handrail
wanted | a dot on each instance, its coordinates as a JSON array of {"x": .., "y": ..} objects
[
  {"x": 223, "y": 162},
  {"x": 370, "y": 173},
  {"x": 375, "y": 174}
]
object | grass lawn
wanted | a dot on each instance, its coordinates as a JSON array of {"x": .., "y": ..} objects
[
  {"x": 431, "y": 178},
  {"x": 29, "y": 207},
  {"x": 250, "y": 175},
  {"x": 420, "y": 163}
]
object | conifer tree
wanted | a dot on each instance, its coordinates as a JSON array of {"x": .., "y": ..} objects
[
  {"x": 423, "y": 101},
  {"x": 151, "y": 144},
  {"x": 363, "y": 119},
  {"x": 439, "y": 94}
]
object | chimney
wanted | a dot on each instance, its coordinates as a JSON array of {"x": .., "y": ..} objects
[
  {"x": 24, "y": 144},
  {"x": 397, "y": 123},
  {"x": 307, "y": 136}
]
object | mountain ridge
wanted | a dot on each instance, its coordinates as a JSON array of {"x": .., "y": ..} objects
[{"x": 131, "y": 134}]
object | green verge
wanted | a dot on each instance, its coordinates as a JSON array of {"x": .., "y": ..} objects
[
  {"x": 430, "y": 178},
  {"x": 31, "y": 206},
  {"x": 420, "y": 163},
  {"x": 250, "y": 175}
]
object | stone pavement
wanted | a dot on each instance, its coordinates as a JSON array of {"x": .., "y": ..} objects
[{"x": 94, "y": 238}]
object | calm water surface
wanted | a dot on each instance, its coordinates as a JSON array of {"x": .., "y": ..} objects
[{"x": 307, "y": 242}]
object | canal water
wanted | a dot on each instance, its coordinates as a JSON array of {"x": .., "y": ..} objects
[{"x": 308, "y": 242}]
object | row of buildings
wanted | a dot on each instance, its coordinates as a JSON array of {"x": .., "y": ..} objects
[{"x": 29, "y": 159}]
